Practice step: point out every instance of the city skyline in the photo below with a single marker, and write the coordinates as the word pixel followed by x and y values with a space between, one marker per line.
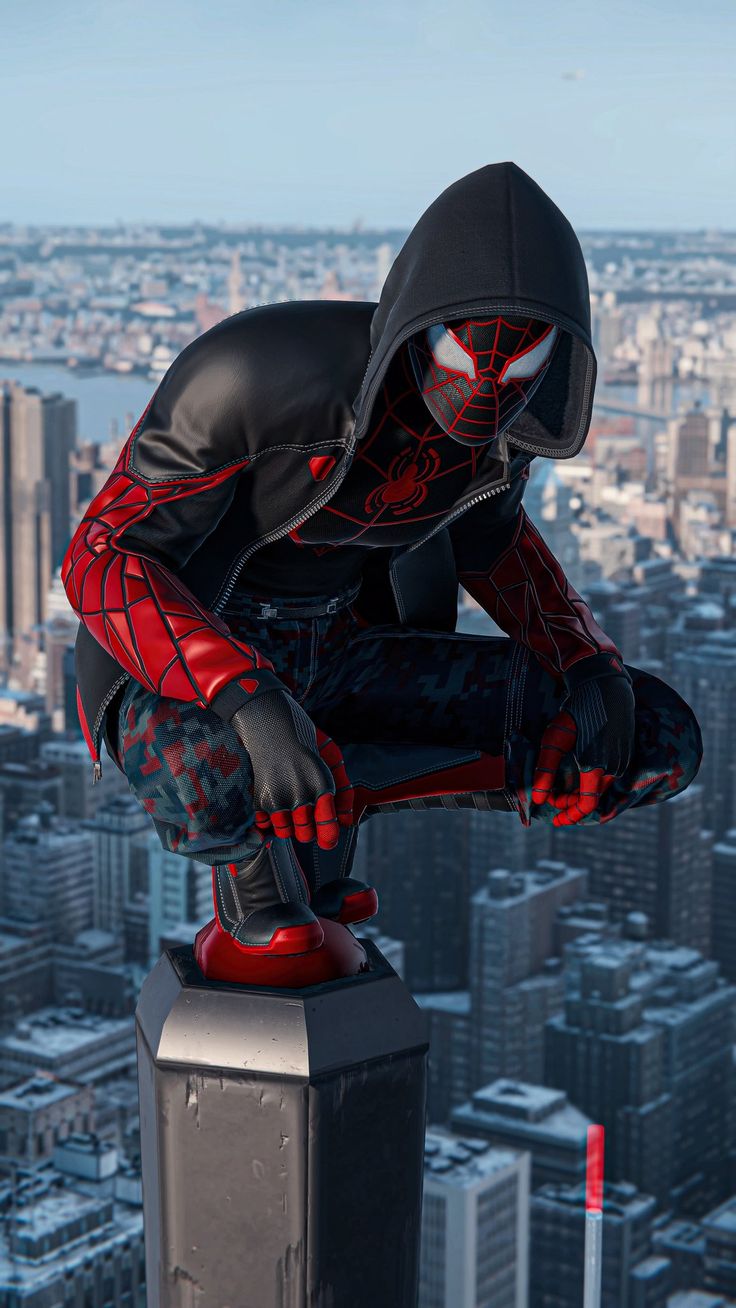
pixel 567 976
pixel 326 114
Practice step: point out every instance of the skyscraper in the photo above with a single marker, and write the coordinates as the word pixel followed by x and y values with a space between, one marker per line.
pixel 723 948
pixel 48 874
pixel 37 436
pixel 706 677
pixel 650 861
pixel 475 1224
pixel 631 1277
pixel 113 828
pixel 611 1064
pixel 420 864
pixel 515 982
pixel 179 889
pixel 644 1047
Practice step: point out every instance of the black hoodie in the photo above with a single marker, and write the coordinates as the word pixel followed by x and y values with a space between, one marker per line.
pixel 494 241
pixel 255 424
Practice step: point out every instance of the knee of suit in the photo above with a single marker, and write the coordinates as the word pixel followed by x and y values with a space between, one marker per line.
pixel 689 748
pixel 682 747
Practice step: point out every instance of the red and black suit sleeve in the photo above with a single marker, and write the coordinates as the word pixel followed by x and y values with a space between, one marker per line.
pixel 507 566
pixel 120 570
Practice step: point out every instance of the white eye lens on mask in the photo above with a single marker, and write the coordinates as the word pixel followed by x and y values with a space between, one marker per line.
pixel 528 365
pixel 447 352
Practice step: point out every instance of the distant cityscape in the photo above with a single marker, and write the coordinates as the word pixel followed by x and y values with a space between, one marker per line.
pixel 569 976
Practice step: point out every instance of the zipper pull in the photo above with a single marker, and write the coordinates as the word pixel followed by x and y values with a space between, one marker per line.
pixel 96 771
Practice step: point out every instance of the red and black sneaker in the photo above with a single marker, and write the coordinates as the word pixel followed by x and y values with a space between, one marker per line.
pixel 346 900
pixel 335 894
pixel 264 931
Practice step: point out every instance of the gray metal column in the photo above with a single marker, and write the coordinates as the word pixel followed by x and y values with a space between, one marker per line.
pixel 282 1137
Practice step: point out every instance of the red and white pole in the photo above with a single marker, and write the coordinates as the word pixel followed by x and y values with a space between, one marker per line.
pixel 593 1218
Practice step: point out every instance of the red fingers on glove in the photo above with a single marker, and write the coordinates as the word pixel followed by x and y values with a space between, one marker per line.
pixel 558 740
pixel 344 795
pixel 321 821
pixel 574 807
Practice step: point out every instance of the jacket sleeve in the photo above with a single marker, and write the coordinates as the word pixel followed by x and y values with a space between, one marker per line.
pixel 119 571
pixel 506 565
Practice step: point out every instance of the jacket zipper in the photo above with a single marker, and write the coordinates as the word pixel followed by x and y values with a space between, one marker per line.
pixel 227 589
pixel 485 495
pixel 97 763
pixel 502 484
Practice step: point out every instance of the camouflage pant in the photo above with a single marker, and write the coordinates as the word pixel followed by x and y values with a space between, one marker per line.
pixel 402 704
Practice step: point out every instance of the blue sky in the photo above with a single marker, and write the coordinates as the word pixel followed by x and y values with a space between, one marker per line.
pixel 324 111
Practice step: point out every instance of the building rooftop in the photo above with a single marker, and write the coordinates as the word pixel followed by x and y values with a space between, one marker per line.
pixel 722 1219
pixel 462 1161
pixel 620 1198
pixel 57 1031
pixel 51 1216
pixel 37 1092
pixel 526 1109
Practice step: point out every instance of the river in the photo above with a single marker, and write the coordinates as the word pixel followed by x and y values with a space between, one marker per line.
pixel 102 398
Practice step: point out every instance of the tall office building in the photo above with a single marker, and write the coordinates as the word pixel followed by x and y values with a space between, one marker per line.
pixel 421 865
pixel 719 1263
pixel 71 760
pixel 610 1063
pixel 113 828
pixel 179 889
pixel 723 947
pixel 644 1047
pixel 706 677
pixel 475 1225
pixel 632 1277
pixel 27 969
pixel 696 462
pixel 515 982
pixel 48 874
pixel 497 835
pixel 37 436
pixel 448 1070
pixel 694 1008
pixel 651 860
pixel 23 786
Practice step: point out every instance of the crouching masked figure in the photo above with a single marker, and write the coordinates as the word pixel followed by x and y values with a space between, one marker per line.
pixel 267 584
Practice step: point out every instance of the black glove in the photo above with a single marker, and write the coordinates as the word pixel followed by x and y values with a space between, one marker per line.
pixel 603 712
pixel 293 787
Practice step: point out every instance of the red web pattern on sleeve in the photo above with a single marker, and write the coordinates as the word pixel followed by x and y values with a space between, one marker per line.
pixel 528 595
pixel 135 606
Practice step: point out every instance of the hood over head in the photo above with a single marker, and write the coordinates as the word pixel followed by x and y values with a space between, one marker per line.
pixel 494 241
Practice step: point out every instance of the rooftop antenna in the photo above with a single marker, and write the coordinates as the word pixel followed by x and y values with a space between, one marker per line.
pixel 593 1218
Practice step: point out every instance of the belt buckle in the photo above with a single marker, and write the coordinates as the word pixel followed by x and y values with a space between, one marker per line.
pixel 267 611
pixel 331 606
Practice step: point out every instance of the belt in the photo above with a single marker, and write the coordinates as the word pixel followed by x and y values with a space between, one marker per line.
pixel 280 606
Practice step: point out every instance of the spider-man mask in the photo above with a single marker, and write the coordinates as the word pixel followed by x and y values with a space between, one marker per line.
pixel 476 375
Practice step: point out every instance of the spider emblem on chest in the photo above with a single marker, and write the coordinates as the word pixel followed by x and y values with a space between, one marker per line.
pixel 406 484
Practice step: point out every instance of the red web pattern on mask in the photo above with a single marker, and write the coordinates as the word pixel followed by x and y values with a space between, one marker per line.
pixel 484 400
pixel 135 607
